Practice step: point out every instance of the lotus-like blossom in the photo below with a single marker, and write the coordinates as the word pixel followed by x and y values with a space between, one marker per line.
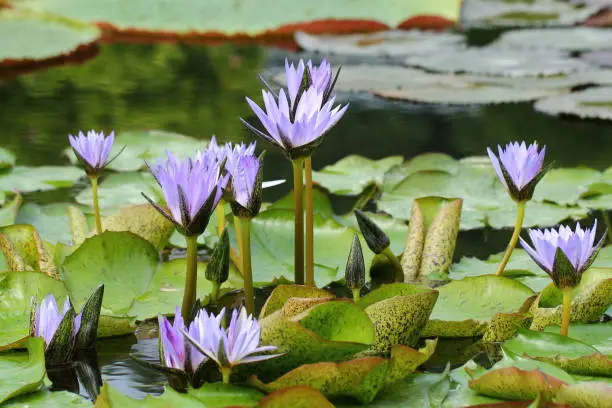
pixel 519 167
pixel 245 186
pixel 192 189
pixel 205 330
pixel 47 318
pixel 172 342
pixel 563 254
pixel 92 150
pixel 231 346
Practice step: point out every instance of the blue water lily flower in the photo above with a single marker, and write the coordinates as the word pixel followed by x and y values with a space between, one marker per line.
pixel 245 187
pixel 93 150
pixel 47 318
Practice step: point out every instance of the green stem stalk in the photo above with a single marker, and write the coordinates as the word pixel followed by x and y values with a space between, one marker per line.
pixel 214 294
pixel 298 165
pixel 520 215
pixel 606 219
pixel 245 255
pixel 398 271
pixel 189 295
pixel 226 372
pixel 309 223
pixel 220 213
pixel 238 228
pixel 567 308
pixel 96 204
pixel 356 294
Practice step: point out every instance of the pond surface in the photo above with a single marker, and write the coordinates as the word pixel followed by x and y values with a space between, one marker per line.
pixel 199 91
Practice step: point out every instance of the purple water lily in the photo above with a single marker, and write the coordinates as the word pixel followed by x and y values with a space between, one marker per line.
pixel 192 189
pixel 231 346
pixel 205 330
pixel 563 254
pixel 92 150
pixel 519 167
pixel 246 179
pixel 172 342
pixel 47 318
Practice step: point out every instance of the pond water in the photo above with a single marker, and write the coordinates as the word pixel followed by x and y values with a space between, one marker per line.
pixel 199 91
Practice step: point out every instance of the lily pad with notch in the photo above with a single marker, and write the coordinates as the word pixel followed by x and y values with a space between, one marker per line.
pixel 591 103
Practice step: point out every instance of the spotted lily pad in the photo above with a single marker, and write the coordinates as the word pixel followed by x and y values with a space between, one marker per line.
pixel 353 174
pixel 465 307
pixel 298 396
pixel 28 179
pixel 496 61
pixel 380 44
pixel 594 103
pixel 361 378
pixel 22 373
pixel 585 395
pixel 41 37
pixel 282 293
pixel 142 220
pixel 25 251
pixel 562 39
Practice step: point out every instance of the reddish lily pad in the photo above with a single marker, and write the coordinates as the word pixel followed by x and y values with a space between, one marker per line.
pixel 297 396
pixel 361 378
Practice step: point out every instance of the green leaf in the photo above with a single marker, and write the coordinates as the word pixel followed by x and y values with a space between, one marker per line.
pixel 39 37
pixel 43 178
pixel 465 307
pixel 353 174
pixel 565 186
pixel 321 203
pixel 395 229
pixel 48 399
pixel 22 373
pixel 585 395
pixel 8 213
pixel 298 396
pixel 220 395
pixel 592 103
pixel 597 335
pixel 461 395
pixel 7 158
pixel 24 250
pixel 110 397
pixel 143 220
pixel 282 293
pixel 50 220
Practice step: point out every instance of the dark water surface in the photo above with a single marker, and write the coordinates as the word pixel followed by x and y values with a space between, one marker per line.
pixel 199 91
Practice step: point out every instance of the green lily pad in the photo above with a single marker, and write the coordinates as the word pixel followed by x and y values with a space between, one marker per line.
pixel 22 373
pixel 496 61
pixel 8 213
pixel 423 162
pixel 592 103
pixel 331 331
pixel 24 250
pixel 395 229
pixel 121 190
pixel 321 203
pixel 602 58
pixel 40 37
pixel 562 39
pixel 399 312
pixel 110 397
pixel 585 395
pixel 298 396
pixel 461 395
pixel 7 158
pixel 148 145
pixel 505 325
pixel 43 178
pixel 361 378
pixel 565 186
pixel 379 44
pixel 598 335
pixel 219 395
pixel 282 293
pixel 246 19
pixel 50 220
pixel 143 220
pixel 465 307
pixel 17 289
pixel 48 399
pixel 571 355
pixel 353 174
pixel 125 262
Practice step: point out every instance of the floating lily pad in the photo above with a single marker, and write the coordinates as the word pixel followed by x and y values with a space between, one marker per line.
pixel 562 39
pixel 110 397
pixel 381 44
pixel 282 293
pixel 22 373
pixel 28 179
pixel 320 200
pixel 593 103
pixel 298 396
pixel 9 210
pixel 571 355
pixel 602 58
pixel 121 190
pixel 598 335
pixel 353 174
pixel 487 13
pixel 24 250
pixel 361 378
pixel 50 220
pixel 566 186
pixel 461 395
pixel 48 399
pixel 40 37
pixel 7 158
pixel 561 82
pixel 248 18
pixel 496 61
pixel 585 395
pixel 465 307
pixel 143 220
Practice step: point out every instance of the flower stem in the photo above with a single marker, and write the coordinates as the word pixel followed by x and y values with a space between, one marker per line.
pixel 606 219
pixel 220 212
pixel 520 215
pixel 238 228
pixel 214 294
pixel 356 294
pixel 226 372
pixel 245 255
pixel 398 271
pixel 96 205
pixel 189 295
pixel 298 165
pixel 309 223
pixel 567 308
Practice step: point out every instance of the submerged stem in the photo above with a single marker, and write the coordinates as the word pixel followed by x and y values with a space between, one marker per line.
pixel 220 212
pixel 309 223
pixel 567 308
pixel 520 215
pixel 247 274
pixel 189 295
pixel 96 205
pixel 298 165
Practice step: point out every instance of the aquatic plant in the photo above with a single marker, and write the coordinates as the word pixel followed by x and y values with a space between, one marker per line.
pixel 92 152
pixel 564 255
pixel 217 270
pixel 519 168
pixel 354 273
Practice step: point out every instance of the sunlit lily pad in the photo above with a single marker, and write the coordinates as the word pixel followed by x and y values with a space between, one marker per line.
pixel 22 373
pixel 361 378
pixel 143 220
pixel 40 37
pixel 496 61
pixel 282 293
pixel 593 103
pixel 563 39
pixel 24 250
pixel 465 307
pixel 353 174
pixel 566 186
pixel 585 395
pixel 9 209
pixel 601 58
pixel 381 44
pixel 598 335
pixel 50 220
pixel 562 82
pixel 28 179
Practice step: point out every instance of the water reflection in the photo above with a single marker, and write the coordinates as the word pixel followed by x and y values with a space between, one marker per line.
pixel 81 377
